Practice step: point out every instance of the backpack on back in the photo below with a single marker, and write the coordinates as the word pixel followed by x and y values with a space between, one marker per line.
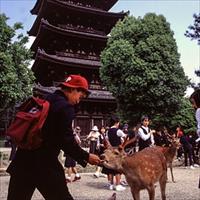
pixel 25 130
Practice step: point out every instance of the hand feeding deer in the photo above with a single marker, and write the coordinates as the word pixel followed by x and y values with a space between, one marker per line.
pixel 142 169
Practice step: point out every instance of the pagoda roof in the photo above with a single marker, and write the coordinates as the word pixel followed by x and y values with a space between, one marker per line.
pixel 45 62
pixel 103 4
pixel 49 8
pixel 95 95
pixel 47 29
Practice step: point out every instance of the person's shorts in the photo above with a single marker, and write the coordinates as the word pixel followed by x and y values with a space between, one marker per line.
pixel 69 162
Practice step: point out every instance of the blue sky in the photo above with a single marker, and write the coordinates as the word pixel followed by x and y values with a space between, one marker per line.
pixel 179 13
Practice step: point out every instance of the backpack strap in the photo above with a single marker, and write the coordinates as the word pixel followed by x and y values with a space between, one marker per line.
pixel 45 108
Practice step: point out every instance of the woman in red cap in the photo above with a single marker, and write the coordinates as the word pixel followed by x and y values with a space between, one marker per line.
pixel 40 168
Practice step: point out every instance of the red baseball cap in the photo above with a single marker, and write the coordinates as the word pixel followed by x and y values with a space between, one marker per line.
pixel 76 81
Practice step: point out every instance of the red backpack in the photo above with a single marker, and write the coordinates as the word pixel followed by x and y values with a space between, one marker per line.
pixel 25 130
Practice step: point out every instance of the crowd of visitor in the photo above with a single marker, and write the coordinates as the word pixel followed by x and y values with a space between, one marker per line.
pixel 137 138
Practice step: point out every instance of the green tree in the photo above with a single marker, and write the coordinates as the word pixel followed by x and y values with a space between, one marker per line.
pixel 185 117
pixel 141 67
pixel 16 78
pixel 193 31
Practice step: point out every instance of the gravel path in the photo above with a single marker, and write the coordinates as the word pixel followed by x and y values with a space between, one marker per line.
pixel 90 188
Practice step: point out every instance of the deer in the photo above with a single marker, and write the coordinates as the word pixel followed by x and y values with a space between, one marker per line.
pixel 141 169
pixel 169 153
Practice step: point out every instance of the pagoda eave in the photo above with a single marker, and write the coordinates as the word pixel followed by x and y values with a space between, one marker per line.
pixel 86 10
pixel 44 11
pixel 67 61
pixel 109 4
pixel 101 95
pixel 45 63
pixel 97 96
pixel 36 8
pixel 47 29
pixel 104 4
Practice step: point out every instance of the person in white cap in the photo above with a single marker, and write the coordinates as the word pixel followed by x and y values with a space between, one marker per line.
pixel 40 168
pixel 93 138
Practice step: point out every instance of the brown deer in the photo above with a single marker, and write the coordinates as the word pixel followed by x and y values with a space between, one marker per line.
pixel 170 153
pixel 142 169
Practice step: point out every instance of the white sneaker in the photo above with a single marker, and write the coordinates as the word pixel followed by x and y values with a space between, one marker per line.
pixel 96 174
pixel 111 187
pixel 191 167
pixel 196 165
pixel 77 177
pixel 197 140
pixel 119 188
pixel 103 175
pixel 124 183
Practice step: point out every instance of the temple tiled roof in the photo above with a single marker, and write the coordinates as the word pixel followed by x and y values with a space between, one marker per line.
pixel 45 64
pixel 95 95
pixel 67 61
pixel 46 29
pixel 102 4
pixel 63 7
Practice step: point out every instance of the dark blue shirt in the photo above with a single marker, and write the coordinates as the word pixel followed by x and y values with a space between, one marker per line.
pixel 57 134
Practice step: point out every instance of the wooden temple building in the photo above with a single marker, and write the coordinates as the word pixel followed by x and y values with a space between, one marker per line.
pixel 70 35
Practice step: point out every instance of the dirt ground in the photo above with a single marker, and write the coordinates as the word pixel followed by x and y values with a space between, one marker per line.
pixel 91 188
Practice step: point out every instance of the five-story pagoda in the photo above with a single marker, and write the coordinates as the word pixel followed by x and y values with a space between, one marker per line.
pixel 70 35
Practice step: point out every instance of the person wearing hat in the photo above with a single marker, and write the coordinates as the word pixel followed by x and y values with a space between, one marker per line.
pixel 93 138
pixel 40 168
pixel 146 138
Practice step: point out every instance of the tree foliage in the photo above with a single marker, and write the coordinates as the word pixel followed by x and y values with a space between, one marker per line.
pixel 15 78
pixel 141 67
pixel 193 31
pixel 185 117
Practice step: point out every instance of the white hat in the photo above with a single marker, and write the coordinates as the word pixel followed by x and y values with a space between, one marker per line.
pixel 95 128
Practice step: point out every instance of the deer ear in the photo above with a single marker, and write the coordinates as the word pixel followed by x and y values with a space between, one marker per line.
pixel 109 147
pixel 120 148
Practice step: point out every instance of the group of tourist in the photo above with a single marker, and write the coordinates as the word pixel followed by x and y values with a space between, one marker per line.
pixel 40 168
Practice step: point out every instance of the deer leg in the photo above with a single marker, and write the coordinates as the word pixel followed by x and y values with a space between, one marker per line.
pixel 167 175
pixel 170 166
pixel 163 181
pixel 151 191
pixel 135 193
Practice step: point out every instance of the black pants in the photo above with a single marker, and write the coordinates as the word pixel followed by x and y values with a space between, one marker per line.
pixel 50 182
pixel 188 154
pixel 93 146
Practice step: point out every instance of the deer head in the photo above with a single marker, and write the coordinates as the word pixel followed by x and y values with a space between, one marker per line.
pixel 113 158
